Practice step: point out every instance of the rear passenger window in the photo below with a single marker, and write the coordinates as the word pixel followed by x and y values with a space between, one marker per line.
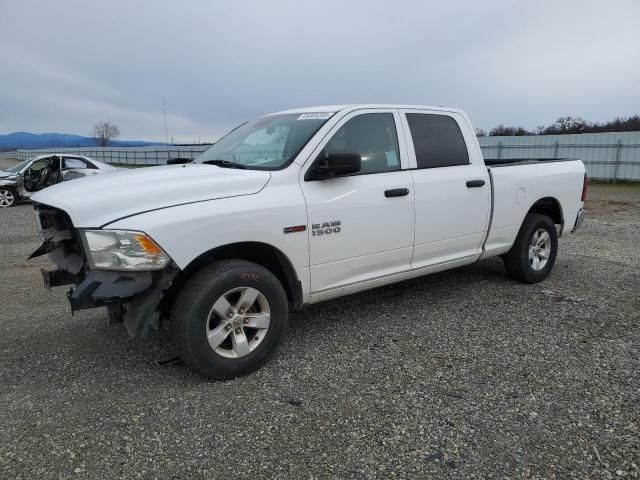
pixel 437 140
pixel 374 137
pixel 70 162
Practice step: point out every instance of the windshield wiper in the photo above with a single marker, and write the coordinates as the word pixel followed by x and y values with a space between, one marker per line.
pixel 225 164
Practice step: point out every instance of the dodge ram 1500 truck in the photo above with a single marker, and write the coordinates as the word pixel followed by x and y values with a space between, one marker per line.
pixel 295 208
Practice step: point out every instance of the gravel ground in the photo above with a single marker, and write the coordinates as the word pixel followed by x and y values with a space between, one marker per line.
pixel 463 374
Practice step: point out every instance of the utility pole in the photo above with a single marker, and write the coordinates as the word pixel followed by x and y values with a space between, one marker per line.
pixel 166 132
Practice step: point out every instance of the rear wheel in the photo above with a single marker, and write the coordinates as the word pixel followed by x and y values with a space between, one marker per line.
pixel 7 198
pixel 229 318
pixel 533 254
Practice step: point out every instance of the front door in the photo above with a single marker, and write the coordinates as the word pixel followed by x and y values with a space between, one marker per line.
pixel 33 174
pixel 360 225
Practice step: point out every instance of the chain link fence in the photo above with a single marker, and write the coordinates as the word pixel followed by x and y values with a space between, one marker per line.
pixel 607 156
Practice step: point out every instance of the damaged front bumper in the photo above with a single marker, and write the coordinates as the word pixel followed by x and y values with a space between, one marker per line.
pixel 137 293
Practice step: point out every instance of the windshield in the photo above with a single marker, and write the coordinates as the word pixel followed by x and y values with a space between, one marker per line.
pixel 268 143
pixel 18 167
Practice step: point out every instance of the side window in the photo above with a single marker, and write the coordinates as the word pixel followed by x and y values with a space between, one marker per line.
pixel 39 164
pixel 69 162
pixel 374 137
pixel 437 140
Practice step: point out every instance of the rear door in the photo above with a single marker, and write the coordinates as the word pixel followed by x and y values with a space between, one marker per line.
pixel 451 183
pixel 361 225
pixel 74 167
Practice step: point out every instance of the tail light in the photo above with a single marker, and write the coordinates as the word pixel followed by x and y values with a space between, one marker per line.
pixel 584 188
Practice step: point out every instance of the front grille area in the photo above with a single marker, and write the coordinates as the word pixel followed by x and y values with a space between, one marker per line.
pixel 138 294
pixel 61 241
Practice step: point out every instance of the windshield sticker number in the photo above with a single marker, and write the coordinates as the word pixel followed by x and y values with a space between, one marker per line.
pixel 315 116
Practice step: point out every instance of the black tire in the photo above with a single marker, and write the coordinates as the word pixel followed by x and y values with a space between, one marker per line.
pixel 194 303
pixel 517 261
pixel 8 197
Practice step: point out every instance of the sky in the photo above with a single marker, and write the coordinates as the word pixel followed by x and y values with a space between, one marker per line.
pixel 67 64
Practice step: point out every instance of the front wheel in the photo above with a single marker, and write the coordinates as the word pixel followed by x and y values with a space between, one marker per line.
pixel 7 198
pixel 229 318
pixel 533 254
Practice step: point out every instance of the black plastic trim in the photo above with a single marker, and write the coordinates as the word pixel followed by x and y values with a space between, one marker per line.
pixel 509 162
pixel 396 192
pixel 57 278
pixel 100 287
pixel 491 210
pixel 475 183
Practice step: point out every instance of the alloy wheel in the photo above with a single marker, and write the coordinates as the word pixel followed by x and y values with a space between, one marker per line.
pixel 7 198
pixel 539 249
pixel 238 322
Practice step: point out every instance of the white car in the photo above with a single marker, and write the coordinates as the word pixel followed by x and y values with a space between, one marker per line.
pixel 24 179
pixel 295 208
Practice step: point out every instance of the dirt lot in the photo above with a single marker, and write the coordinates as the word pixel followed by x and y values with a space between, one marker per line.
pixel 463 374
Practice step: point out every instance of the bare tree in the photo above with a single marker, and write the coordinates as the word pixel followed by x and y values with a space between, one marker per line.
pixel 103 132
pixel 501 130
pixel 565 125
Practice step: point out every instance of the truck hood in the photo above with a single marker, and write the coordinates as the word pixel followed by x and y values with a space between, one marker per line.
pixel 97 200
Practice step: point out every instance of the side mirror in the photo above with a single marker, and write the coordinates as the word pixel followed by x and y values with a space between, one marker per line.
pixel 335 164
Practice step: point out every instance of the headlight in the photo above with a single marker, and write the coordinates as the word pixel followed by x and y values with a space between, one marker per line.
pixel 123 250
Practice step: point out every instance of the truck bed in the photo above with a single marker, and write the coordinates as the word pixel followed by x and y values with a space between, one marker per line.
pixel 514 190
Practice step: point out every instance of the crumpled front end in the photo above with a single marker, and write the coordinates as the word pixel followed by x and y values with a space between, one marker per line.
pixel 136 294
pixel 10 180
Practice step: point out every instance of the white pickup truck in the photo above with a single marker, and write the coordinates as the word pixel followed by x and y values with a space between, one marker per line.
pixel 295 208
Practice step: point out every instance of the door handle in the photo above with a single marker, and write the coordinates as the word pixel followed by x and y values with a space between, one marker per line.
pixel 396 192
pixel 475 183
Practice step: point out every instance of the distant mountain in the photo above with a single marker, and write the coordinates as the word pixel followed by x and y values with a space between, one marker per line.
pixel 60 140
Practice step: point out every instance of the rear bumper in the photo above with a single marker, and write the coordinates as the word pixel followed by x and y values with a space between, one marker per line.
pixel 579 220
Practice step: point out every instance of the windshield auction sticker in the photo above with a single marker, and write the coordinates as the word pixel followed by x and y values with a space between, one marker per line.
pixel 315 116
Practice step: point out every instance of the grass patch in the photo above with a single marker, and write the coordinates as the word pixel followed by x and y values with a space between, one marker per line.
pixel 622 183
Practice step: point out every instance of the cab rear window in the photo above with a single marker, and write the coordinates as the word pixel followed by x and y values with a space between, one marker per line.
pixel 437 140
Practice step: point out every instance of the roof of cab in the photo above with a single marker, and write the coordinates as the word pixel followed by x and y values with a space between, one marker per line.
pixel 320 108
pixel 356 106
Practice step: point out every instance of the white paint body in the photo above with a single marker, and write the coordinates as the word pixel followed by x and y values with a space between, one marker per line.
pixel 191 209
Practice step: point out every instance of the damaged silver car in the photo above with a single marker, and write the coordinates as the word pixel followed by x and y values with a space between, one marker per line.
pixel 22 180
